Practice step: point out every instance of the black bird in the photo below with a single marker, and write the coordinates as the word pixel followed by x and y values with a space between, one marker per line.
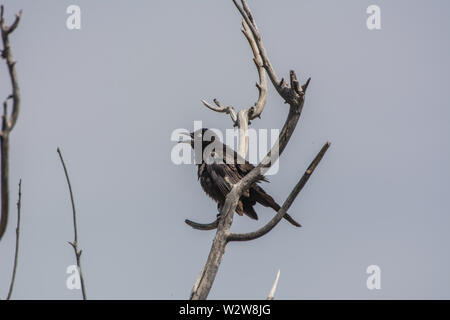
pixel 219 172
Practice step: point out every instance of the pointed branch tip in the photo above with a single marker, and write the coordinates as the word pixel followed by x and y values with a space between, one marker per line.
pixel 305 86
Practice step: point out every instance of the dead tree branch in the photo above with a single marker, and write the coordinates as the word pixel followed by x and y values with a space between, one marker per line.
pixel 8 122
pixel 203 226
pixel 256 110
pixel 244 116
pixel 286 205
pixel 222 109
pixel 16 254
pixel 274 287
pixel 293 94
pixel 74 244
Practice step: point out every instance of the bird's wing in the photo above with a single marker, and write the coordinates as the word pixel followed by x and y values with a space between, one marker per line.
pixel 223 177
pixel 237 164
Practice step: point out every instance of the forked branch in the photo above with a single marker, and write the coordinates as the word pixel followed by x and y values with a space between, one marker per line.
pixel 11 64
pixel 281 86
pixel 222 109
pixel 293 94
pixel 246 115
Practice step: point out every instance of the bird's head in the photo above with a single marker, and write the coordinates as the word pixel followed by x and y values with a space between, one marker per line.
pixel 205 138
pixel 202 137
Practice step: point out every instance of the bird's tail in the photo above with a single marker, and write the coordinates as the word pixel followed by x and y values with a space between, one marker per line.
pixel 266 200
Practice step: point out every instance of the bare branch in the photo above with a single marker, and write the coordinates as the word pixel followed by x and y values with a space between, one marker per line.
pixel 294 83
pixel 6 54
pixel 257 109
pixel 16 254
pixel 243 133
pixel 202 226
pixel 294 96
pixel 227 211
pixel 4 142
pixel 7 124
pixel 274 287
pixel 290 94
pixel 305 86
pixel 13 26
pixel 71 195
pixel 74 244
pixel 196 284
pixel 286 205
pixel 204 283
pixel 248 18
pixel 222 109
pixel 275 152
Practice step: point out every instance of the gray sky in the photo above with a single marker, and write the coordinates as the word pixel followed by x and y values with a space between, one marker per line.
pixel 111 94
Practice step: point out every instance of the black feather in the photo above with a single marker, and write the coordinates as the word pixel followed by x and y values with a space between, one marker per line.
pixel 218 178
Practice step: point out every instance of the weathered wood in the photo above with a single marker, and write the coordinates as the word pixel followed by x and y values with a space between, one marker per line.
pixel 293 95
pixel 203 226
pixel 7 123
pixel 286 205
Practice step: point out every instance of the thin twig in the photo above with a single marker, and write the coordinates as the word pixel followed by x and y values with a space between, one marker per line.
pixel 16 254
pixel 74 244
pixel 274 287
pixel 222 109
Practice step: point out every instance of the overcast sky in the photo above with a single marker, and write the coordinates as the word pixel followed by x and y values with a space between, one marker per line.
pixel 110 95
